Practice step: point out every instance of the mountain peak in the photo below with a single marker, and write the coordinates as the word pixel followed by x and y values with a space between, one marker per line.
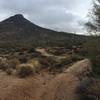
pixel 16 19
pixel 18 16
pixel 17 31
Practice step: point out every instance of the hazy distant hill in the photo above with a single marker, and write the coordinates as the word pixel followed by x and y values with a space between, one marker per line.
pixel 18 31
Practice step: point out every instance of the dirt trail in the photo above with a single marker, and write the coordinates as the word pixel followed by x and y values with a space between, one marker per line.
pixel 45 53
pixel 61 88
pixel 81 69
pixel 40 87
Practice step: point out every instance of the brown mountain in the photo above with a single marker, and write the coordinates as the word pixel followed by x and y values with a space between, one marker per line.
pixel 18 31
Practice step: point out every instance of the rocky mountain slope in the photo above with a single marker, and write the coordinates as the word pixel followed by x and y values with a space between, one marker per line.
pixel 18 31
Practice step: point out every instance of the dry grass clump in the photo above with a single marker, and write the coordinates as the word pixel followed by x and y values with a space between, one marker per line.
pixel 66 60
pixel 36 64
pixel 25 70
pixel 3 63
pixel 28 69
pixel 24 66
pixel 13 63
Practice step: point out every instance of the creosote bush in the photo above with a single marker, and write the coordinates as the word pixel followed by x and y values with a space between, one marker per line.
pixel 25 70
pixel 9 64
pixel 3 66
pixel 75 57
pixel 12 63
pixel 23 60
pixel 9 71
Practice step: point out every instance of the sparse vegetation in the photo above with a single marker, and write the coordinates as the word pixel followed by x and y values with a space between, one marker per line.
pixel 36 64
pixel 13 63
pixel 93 48
pixel 76 57
pixel 28 50
pixel 9 71
pixel 23 59
pixel 25 70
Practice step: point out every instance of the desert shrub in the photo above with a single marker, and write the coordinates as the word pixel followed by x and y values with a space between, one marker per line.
pixel 35 63
pixel 31 50
pixel 96 65
pixel 46 61
pixel 4 66
pixel 58 64
pixel 64 61
pixel 68 59
pixel 92 46
pixel 88 89
pixel 35 54
pixel 9 71
pixel 82 90
pixel 12 63
pixel 25 70
pixel 23 59
pixel 75 57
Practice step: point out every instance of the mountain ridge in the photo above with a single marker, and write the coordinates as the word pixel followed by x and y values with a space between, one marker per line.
pixel 17 30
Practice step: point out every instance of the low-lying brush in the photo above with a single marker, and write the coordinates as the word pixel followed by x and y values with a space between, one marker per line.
pixel 25 70
pixel 36 64
pixel 13 63
pixel 75 57
pixel 9 71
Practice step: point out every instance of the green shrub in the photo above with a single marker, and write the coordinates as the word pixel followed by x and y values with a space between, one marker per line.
pixel 93 47
pixel 75 57
pixel 96 65
pixel 64 61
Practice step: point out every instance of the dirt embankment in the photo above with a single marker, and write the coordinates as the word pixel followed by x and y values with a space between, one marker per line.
pixel 43 86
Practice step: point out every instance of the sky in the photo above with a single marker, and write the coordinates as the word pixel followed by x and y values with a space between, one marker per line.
pixel 60 15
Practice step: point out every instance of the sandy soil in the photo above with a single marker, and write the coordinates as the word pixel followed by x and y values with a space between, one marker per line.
pixel 40 87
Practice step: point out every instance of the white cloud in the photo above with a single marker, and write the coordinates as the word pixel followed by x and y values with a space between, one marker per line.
pixel 61 15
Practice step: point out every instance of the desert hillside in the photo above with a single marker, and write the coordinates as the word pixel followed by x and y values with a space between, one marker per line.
pixel 17 32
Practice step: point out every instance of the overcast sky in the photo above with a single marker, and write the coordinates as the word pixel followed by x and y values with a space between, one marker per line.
pixel 60 15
